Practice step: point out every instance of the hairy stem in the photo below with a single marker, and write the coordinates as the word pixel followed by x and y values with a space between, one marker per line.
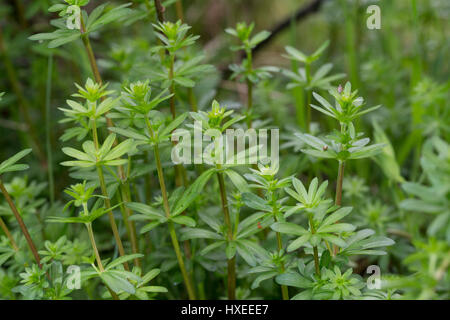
pixel 21 224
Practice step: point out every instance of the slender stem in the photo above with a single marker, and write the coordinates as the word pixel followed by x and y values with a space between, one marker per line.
pixel 22 101
pixel 192 100
pixel 173 235
pixel 94 246
pixel 249 87
pixel 107 202
pixel 130 226
pixel 340 180
pixel 338 200
pixel 112 221
pixel 97 254
pixel 315 251
pixel 179 9
pixel 51 180
pixel 21 224
pixel 172 86
pixel 231 262
pixel 284 289
pixel 8 234
pixel 159 10
pixel 308 96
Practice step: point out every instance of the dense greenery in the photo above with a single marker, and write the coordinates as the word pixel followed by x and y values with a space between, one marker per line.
pixel 91 106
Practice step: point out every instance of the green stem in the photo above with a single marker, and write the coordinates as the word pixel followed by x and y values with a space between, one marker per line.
pixel 21 224
pixel 8 234
pixel 130 225
pixel 231 262
pixel 338 200
pixel 339 183
pixel 22 101
pixel 172 232
pixel 284 289
pixel 101 178
pixel 97 255
pixel 308 96
pixel 315 251
pixel 249 88
pixel 192 100
pixel 51 180
pixel 94 247
pixel 179 9
pixel 172 86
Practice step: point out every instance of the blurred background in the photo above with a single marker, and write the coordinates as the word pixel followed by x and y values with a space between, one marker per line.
pixel 404 65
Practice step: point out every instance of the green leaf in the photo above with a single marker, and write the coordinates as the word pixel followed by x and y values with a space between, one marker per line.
pixel 336 228
pixel 264 276
pixel 192 192
pixel 336 216
pixel 9 162
pixel 148 211
pixel 253 201
pixel 230 250
pixel 293 280
pixel 297 243
pixel 259 37
pixel 119 150
pixel 117 283
pixel 184 220
pixel 238 181
pixel 288 228
pixel 63 40
pixel 296 54
pixel 123 259
pixel 191 233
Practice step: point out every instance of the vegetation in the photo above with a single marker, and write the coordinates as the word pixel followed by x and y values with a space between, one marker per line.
pixel 98 97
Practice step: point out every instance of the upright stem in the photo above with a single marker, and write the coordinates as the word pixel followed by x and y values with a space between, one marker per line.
pixel 109 122
pixel 21 224
pixel 338 200
pixel 172 232
pixel 94 247
pixel 179 8
pixel 249 87
pixel 8 234
pixel 315 251
pixel 131 227
pixel 172 86
pixel 192 100
pixel 51 180
pixel 340 180
pixel 284 289
pixel 22 101
pixel 101 178
pixel 226 213
pixel 308 97
pixel 159 10
pixel 97 256
pixel 112 221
